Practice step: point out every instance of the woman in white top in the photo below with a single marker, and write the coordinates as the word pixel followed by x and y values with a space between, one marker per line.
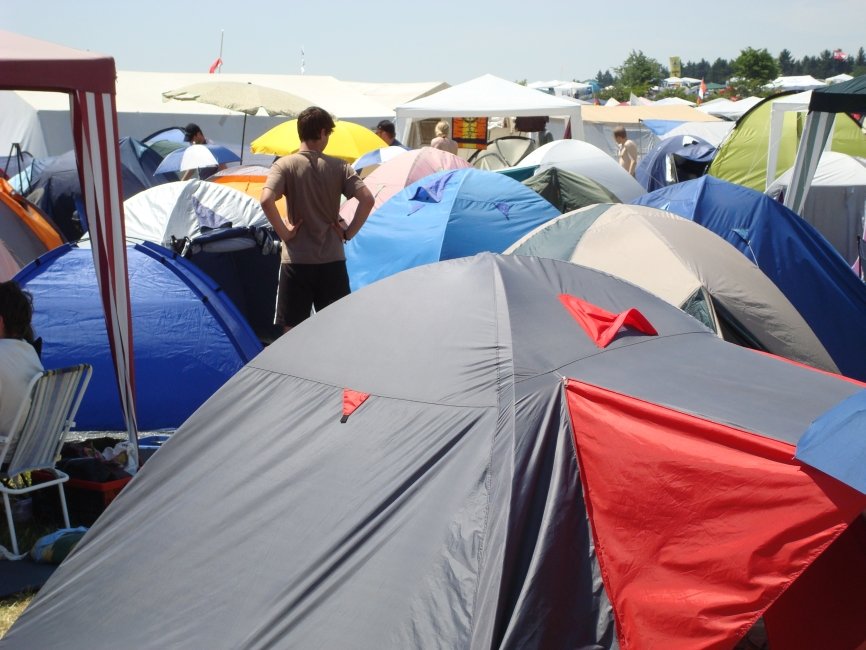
pixel 19 362
pixel 442 141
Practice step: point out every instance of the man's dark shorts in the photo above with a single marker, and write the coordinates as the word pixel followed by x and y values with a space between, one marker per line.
pixel 304 286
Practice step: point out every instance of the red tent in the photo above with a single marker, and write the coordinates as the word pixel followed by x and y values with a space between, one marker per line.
pixel 30 64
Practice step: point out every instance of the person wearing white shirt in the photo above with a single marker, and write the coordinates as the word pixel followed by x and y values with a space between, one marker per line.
pixel 19 362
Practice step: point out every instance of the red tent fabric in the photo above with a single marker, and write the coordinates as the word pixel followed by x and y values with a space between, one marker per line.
pixel 89 79
pixel 681 582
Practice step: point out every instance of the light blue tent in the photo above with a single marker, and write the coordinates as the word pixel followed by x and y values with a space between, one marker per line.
pixel 796 257
pixel 454 213
pixel 189 338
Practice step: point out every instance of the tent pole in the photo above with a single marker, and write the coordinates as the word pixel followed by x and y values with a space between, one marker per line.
pixel 243 135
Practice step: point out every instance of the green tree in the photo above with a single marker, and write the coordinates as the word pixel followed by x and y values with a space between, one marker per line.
pixel 604 79
pixel 786 63
pixel 753 69
pixel 637 73
pixel 700 70
pixel 859 67
pixel 826 67
pixel 720 71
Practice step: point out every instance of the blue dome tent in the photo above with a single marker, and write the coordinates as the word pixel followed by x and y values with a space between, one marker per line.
pixel 189 338
pixel 454 213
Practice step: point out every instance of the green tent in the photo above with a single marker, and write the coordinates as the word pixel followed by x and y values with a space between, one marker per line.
pixel 569 190
pixel 742 157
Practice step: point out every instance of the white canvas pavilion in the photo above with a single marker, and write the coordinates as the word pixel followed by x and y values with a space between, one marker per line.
pixel 488 96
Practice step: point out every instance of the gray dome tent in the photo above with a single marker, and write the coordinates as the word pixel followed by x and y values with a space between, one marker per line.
pixel 439 477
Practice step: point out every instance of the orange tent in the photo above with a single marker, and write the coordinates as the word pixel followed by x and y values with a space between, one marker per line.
pixel 249 179
pixel 25 230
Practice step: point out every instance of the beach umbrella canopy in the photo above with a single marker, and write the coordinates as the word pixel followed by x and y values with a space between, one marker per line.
pixel 349 140
pixel 248 98
pixel 196 156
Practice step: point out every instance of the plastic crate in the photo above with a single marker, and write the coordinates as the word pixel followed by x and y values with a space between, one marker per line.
pixel 85 500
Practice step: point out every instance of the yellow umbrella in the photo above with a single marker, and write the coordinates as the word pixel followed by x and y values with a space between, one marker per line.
pixel 349 141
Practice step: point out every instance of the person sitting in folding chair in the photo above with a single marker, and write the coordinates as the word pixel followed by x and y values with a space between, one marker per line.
pixel 19 361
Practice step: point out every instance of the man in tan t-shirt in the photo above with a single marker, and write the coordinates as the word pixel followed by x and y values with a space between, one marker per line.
pixel 313 265
pixel 626 150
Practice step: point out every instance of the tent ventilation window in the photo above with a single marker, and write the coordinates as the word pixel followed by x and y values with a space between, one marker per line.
pixel 698 307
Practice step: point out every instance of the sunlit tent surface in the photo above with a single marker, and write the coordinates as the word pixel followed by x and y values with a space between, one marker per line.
pixel 584 158
pixel 393 175
pixel 189 338
pixel 249 179
pixel 795 256
pixel 743 158
pixel 445 480
pixel 221 230
pixel 446 215
pixel 685 265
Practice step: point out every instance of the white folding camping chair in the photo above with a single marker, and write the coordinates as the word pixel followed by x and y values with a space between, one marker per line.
pixel 37 434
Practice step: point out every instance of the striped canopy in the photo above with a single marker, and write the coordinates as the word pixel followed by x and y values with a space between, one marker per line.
pixel 30 64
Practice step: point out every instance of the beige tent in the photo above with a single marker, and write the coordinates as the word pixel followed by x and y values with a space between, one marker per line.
pixel 599 122
pixel 686 265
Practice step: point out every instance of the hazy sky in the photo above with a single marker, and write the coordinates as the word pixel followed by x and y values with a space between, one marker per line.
pixel 444 41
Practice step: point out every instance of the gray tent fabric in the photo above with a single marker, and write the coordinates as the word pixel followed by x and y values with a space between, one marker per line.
pixel 446 511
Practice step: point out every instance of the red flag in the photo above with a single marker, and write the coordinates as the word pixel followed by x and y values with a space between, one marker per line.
pixel 839 55
pixel 216 64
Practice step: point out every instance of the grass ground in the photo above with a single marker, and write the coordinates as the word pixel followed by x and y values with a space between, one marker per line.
pixel 12 606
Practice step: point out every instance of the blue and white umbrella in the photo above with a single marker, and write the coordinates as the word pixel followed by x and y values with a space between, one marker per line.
pixel 377 157
pixel 196 156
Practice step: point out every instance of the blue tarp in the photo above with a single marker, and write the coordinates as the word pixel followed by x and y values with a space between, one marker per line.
pixel 652 169
pixel 795 256
pixel 660 127
pixel 834 443
pixel 189 338
pixel 455 213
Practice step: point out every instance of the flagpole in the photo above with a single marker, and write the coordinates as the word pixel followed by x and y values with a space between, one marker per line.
pixel 220 58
